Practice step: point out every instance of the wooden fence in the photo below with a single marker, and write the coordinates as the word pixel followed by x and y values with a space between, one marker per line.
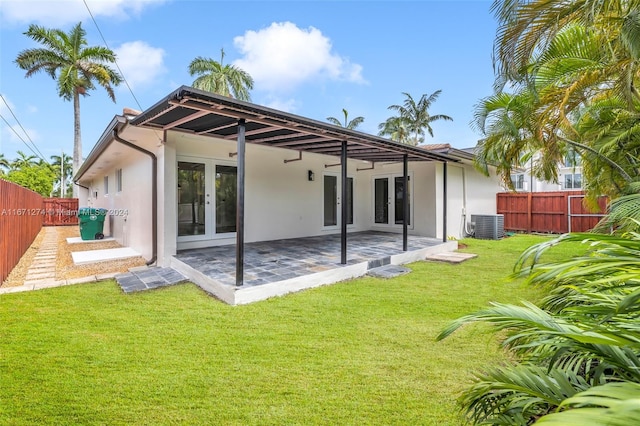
pixel 553 212
pixel 60 211
pixel 20 221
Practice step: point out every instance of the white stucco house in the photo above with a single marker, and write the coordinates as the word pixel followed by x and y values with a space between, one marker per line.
pixel 569 177
pixel 200 170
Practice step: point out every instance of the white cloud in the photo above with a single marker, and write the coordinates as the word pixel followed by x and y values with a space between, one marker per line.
pixel 61 12
pixel 286 105
pixel 140 63
pixel 283 56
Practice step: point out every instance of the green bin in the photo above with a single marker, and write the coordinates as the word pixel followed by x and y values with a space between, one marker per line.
pixel 91 223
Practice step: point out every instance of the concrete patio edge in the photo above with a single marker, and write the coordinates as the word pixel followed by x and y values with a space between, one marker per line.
pixel 249 294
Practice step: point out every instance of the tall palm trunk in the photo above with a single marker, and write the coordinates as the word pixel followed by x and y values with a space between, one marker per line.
pixel 77 139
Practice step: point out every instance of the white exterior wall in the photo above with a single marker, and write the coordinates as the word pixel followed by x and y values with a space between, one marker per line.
pixel 280 201
pixel 129 211
pixel 468 192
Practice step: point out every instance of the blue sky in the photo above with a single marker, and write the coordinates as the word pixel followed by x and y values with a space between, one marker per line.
pixel 311 58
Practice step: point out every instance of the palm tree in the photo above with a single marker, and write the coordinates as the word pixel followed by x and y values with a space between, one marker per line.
pixel 76 68
pixel 507 124
pixel 22 161
pixel 62 166
pixel 395 128
pixel 4 164
pixel 524 27
pixel 576 99
pixel 416 115
pixel 351 125
pixel 226 80
pixel 580 342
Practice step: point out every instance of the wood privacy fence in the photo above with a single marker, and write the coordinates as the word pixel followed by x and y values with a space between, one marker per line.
pixel 60 211
pixel 20 221
pixel 555 212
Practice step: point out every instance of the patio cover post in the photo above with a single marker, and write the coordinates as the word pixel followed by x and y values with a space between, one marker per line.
pixel 444 202
pixel 343 197
pixel 405 201
pixel 240 205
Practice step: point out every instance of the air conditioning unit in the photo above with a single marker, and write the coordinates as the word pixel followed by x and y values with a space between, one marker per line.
pixel 488 226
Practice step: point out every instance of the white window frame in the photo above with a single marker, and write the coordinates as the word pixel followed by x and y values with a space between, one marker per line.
pixel 106 185
pixel 573 181
pixel 515 179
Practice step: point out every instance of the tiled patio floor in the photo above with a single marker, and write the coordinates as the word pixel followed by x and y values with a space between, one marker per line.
pixel 273 261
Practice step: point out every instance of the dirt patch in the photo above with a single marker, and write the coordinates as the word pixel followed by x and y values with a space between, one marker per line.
pixel 65 269
pixel 19 272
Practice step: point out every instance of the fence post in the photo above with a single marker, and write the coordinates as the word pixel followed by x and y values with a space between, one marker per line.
pixel 529 205
pixel 566 210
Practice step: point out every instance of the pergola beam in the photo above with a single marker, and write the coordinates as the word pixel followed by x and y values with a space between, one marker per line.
pixel 183 120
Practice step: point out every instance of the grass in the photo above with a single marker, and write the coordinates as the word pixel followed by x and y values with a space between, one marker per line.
pixel 360 352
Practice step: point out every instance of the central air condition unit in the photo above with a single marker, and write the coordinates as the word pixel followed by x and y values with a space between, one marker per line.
pixel 488 226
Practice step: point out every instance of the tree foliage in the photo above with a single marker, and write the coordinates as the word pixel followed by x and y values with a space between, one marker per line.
pixel 572 72
pixel 347 124
pixel 577 353
pixel 216 77
pixel 36 177
pixel 76 67
pixel 413 120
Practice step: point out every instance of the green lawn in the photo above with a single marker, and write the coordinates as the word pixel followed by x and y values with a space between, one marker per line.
pixel 360 352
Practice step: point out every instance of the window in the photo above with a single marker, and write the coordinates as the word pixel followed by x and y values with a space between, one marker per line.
pixel 518 181
pixel 106 185
pixel 118 180
pixel 573 181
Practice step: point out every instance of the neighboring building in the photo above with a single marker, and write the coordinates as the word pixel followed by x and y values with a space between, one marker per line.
pixel 569 177
pixel 170 177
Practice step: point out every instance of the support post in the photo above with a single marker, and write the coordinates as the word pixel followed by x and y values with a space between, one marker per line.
pixel 343 198
pixel 444 202
pixel 240 205
pixel 405 202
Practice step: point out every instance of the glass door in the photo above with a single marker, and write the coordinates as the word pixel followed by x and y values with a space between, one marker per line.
pixel 332 191
pixel 207 199
pixel 191 199
pixel 388 200
pixel 330 200
pixel 226 185
pixel 381 200
pixel 398 210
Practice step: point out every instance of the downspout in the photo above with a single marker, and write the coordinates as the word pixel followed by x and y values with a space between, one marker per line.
pixel 466 232
pixel 154 193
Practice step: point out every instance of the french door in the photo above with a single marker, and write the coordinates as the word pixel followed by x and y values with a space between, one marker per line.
pixel 206 199
pixel 332 194
pixel 388 200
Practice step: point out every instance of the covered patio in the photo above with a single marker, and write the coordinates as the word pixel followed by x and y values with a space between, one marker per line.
pixel 273 268
pixel 203 114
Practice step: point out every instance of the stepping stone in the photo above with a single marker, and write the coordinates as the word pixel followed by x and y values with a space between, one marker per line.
pixel 389 271
pixel 451 257
pixel 94 256
pixel 40 276
pixel 40 265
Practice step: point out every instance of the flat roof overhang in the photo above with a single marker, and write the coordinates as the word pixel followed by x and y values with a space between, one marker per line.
pixel 203 113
